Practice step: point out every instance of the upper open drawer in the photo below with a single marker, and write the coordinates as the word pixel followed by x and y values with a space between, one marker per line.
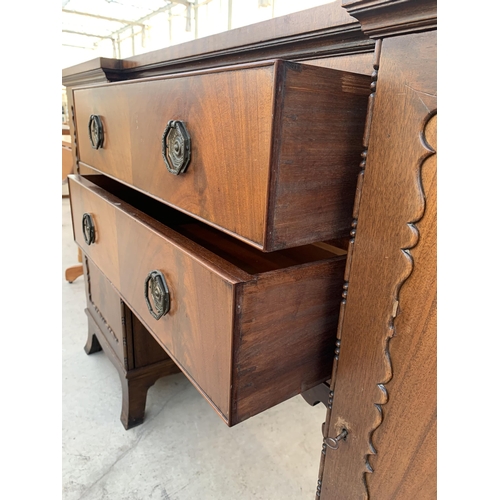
pixel 268 152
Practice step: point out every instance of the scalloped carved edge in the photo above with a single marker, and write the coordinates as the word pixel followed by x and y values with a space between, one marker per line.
pixel 428 151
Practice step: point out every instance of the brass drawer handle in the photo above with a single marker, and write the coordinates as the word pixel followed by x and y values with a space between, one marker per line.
pixel 96 131
pixel 156 287
pixel 176 147
pixel 88 229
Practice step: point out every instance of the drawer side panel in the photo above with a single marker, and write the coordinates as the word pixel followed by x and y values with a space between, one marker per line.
pixel 318 155
pixel 286 339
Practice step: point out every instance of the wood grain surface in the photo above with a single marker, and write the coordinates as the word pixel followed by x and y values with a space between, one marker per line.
pixel 225 325
pixel 145 349
pixel 228 116
pixel 135 382
pixel 387 249
pixel 138 358
pixel 384 18
pixel 359 63
pixel 104 303
pixel 318 140
pixel 196 334
pixel 407 453
pixel 275 146
pixel 285 338
pixel 320 32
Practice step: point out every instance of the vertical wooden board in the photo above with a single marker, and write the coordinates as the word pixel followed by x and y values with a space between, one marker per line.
pixel 391 203
pixel 286 335
pixel 67 159
pixel 407 453
pixel 196 332
pixel 317 157
pixel 146 350
pixel 105 302
pixel 72 129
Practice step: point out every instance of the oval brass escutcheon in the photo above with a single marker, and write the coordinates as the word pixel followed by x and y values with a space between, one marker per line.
pixel 176 147
pixel 88 229
pixel 156 287
pixel 96 131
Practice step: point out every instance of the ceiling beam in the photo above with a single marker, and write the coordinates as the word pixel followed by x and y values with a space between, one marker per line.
pixel 145 18
pixel 115 36
pixel 86 34
pixel 78 46
pixel 96 16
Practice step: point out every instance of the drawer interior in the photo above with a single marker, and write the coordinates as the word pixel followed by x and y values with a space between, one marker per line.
pixel 244 256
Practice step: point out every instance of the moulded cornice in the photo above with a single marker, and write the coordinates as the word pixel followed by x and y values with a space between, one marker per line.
pixel 98 70
pixel 382 18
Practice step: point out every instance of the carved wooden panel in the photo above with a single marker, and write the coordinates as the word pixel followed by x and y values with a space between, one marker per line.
pixel 406 440
pixel 387 248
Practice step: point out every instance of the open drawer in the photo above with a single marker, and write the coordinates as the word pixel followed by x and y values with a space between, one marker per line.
pixel 249 329
pixel 268 152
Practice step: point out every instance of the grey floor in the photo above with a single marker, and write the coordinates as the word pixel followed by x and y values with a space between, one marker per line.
pixel 183 450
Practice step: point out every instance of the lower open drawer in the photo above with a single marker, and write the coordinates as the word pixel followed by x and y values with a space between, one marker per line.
pixel 249 329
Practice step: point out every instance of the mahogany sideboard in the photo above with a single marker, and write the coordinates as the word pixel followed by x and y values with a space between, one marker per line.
pixel 258 209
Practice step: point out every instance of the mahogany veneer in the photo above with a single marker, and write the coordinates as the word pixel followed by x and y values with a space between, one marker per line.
pixel 275 146
pixel 249 329
pixel 382 395
pixel 139 359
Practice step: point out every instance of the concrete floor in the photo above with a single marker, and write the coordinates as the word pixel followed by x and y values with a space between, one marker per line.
pixel 183 450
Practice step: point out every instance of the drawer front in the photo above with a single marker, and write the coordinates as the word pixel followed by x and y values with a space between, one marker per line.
pixel 227 179
pixel 196 332
pixel 250 329
pixel 274 151
pixel 105 305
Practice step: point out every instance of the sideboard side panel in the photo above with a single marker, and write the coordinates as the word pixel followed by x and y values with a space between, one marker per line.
pixel 406 440
pixel 372 368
